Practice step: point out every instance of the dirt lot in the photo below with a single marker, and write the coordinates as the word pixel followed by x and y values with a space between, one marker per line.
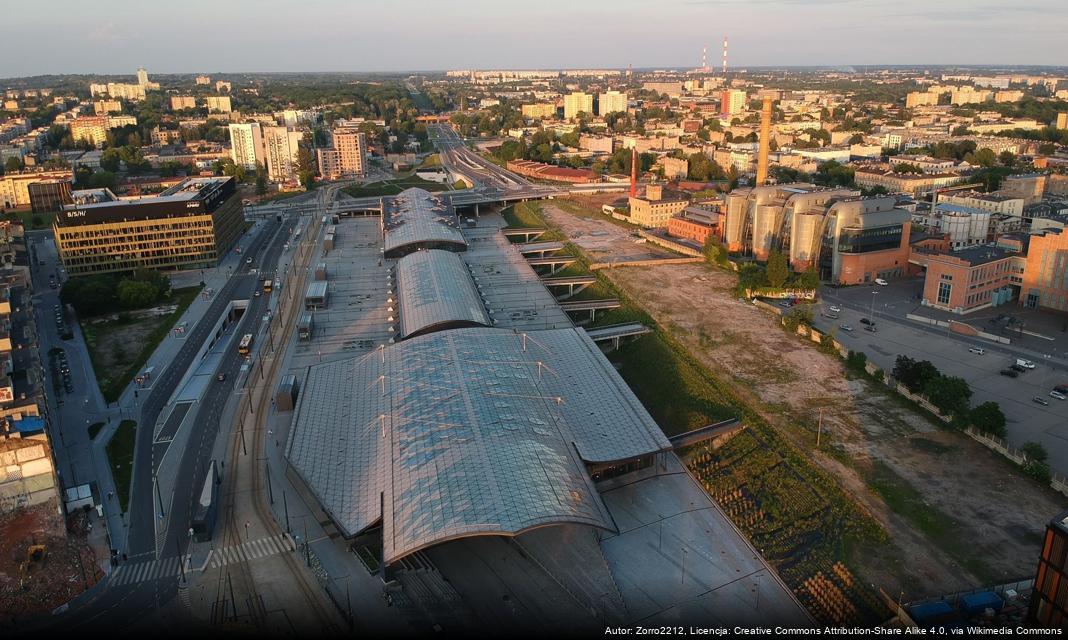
pixel 55 580
pixel 958 516
pixel 600 239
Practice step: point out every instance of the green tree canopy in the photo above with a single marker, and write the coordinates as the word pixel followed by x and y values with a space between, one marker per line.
pixel 988 418
pixel 950 394
pixel 778 269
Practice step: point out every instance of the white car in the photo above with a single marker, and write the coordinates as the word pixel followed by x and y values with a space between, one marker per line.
pixel 881 282
pixel 834 309
pixel 977 350
pixel 1058 395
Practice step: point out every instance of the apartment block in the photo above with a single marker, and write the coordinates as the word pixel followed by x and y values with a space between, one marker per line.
pixel 576 103
pixel 92 129
pixel 104 107
pixel 183 102
pixel 538 111
pixel 281 145
pixel 246 145
pixel 345 157
pixel 15 186
pixel 732 101
pixel 611 102
pixel 218 104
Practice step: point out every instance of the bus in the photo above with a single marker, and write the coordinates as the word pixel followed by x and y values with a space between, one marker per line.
pixel 245 346
pixel 267 284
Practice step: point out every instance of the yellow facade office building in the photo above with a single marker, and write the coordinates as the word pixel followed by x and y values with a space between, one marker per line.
pixel 188 226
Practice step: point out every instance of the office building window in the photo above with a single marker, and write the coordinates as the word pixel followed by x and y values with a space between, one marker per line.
pixel 944 289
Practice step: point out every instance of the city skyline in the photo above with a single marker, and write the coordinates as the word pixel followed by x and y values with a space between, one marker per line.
pixel 855 32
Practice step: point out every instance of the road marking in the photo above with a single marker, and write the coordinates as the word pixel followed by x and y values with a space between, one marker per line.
pixel 251 550
pixel 147 570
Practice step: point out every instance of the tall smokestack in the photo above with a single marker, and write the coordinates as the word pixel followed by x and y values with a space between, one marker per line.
pixel 634 172
pixel 765 142
pixel 724 56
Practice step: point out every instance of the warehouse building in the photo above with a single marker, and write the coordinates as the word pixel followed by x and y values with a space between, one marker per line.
pixel 188 226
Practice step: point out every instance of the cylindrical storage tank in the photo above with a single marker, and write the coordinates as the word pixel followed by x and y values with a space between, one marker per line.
pixel 803 239
pixel 763 230
pixel 734 221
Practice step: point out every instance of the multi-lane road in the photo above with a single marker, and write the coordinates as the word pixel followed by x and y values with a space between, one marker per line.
pixel 114 606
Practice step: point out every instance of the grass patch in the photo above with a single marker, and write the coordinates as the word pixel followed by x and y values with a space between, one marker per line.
pixel 120 455
pixel 581 211
pixel 114 361
pixel 95 429
pixel 941 529
pixel 679 395
pixel 392 187
pixel 432 160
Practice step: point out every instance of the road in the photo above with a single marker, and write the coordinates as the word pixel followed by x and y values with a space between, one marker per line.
pixel 1026 420
pixel 113 606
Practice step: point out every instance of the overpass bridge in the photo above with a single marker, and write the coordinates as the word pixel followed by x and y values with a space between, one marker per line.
pixel 615 333
pixel 539 249
pixel 571 282
pixel 593 306
pixel 555 263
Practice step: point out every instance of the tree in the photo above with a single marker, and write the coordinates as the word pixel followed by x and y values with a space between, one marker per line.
pixel 778 269
pixel 834 174
pixel 135 293
pixel 110 159
pixel 988 418
pixel 261 179
pixel 1034 451
pixel 914 374
pixel 1007 158
pixel 305 167
pixel 983 157
pixel 950 394
pixel 809 279
pixel 907 167
pixel 13 165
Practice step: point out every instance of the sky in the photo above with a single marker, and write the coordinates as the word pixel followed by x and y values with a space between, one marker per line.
pixel 183 36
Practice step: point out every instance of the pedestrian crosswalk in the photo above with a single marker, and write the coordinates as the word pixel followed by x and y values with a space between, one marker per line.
pixel 251 550
pixel 146 571
pixel 170 567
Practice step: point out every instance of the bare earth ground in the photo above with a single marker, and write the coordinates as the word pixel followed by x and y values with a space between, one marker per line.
pixel 602 240
pixel 997 515
pixel 55 581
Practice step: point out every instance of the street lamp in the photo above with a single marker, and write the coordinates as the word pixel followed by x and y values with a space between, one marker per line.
pixel 871 312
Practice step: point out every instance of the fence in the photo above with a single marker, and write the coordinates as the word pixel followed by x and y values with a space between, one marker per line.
pixel 1057 482
pixel 643 263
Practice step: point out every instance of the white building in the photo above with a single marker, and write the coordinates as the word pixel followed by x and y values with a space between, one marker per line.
pixel 246 145
pixel 611 102
pixel 281 145
pixel 966 226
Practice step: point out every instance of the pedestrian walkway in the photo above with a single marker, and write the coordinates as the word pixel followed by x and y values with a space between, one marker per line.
pixel 252 550
pixel 147 571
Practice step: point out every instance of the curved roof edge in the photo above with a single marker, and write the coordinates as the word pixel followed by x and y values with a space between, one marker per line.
pixel 435 291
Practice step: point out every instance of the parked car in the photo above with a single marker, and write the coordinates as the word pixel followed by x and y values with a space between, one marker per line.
pixel 830 314
pixel 1058 395
pixel 1026 364
pixel 256 293
pixel 221 377
pixel 1010 373
pixel 1017 368
pixel 845 327
pixel 866 321
pixel 1061 388
pixel 870 327
pixel 881 282
pixel 834 309
pixel 1040 400
pixel 248 260
pixel 977 350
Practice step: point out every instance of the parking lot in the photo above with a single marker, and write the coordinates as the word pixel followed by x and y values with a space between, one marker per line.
pixel 1027 419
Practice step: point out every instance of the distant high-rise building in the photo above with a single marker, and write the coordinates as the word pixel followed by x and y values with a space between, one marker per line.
pixel 92 129
pixel 345 157
pixel 1062 120
pixel 610 102
pixel 538 110
pixel 104 107
pixel 183 102
pixel 732 101
pixel 203 80
pixel 281 145
pixel 1049 605
pixel 576 103
pixel 142 77
pixel 219 104
pixel 246 145
pixel 222 85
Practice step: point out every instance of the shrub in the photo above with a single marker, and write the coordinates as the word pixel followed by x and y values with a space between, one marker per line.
pixel 1034 451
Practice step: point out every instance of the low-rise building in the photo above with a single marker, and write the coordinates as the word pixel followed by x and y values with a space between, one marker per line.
pixel 551 172
pixel 1045 274
pixel 971 279
pixel 15 186
pixel 914 184
pixel 655 209
pixel 694 223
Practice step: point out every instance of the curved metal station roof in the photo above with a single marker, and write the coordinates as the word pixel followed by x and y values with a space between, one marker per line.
pixel 474 431
pixel 435 292
pixel 416 219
